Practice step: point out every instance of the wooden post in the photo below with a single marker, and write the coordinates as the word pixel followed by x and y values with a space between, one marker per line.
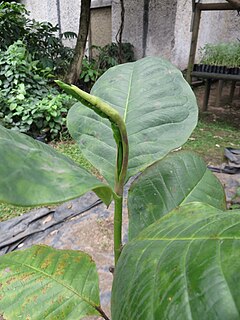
pixel 215 6
pixel 219 92
pixel 232 90
pixel 197 9
pixel 206 94
pixel 235 3
pixel 196 23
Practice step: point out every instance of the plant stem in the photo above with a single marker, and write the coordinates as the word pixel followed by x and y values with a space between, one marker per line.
pixel 121 139
pixel 103 314
pixel 118 202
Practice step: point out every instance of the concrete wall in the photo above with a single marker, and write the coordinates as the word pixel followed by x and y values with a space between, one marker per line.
pixel 149 25
pixel 62 12
pixel 167 32
pixel 154 27
pixel 44 10
pixel 101 26
pixel 133 26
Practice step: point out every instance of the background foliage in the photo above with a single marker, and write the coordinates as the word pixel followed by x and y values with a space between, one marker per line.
pixel 28 102
pixel 40 38
pixel 104 58
pixel 31 55
pixel 222 54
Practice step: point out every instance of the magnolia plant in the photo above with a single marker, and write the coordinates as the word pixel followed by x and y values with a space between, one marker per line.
pixel 182 256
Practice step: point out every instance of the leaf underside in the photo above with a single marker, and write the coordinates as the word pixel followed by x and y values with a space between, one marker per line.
pixel 158 108
pixel 184 266
pixel 177 179
pixel 45 283
pixel 33 173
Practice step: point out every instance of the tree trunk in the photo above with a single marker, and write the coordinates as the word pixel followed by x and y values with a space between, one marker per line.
pixel 235 3
pixel 74 70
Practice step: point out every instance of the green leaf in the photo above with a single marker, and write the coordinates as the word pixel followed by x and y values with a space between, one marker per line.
pixel 8 73
pixel 45 283
pixel 177 179
pixel 33 173
pixel 158 108
pixel 20 96
pixel 13 106
pixel 184 266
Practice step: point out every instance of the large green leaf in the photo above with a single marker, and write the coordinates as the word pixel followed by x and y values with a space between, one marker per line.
pixel 158 108
pixel 33 173
pixel 177 179
pixel 184 266
pixel 44 283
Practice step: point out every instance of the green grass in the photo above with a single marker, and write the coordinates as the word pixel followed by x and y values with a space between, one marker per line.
pixel 8 212
pixel 208 140
pixel 71 149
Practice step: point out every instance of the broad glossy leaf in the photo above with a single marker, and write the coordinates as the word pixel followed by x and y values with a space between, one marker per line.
pixel 175 180
pixel 158 108
pixel 33 173
pixel 184 266
pixel 45 283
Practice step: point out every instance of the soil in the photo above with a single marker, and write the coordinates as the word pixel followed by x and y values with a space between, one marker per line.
pixel 226 112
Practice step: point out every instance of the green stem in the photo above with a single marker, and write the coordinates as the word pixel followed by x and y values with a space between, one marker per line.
pixel 118 202
pixel 120 136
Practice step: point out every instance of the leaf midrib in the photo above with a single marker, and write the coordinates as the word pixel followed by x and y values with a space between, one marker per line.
pixel 128 95
pixel 187 195
pixel 189 239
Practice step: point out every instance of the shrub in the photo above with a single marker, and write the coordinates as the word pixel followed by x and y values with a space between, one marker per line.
pixel 28 102
pixel 39 37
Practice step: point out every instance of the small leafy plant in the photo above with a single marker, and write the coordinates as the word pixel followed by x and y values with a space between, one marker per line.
pixel 39 37
pixel 222 54
pixel 182 258
pixel 28 102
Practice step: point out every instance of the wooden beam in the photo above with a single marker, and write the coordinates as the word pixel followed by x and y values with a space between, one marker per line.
pixel 193 48
pixel 235 3
pixel 215 6
pixel 193 5
pixel 206 94
pixel 219 76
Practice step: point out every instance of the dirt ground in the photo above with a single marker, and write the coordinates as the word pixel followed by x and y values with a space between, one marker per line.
pixel 226 111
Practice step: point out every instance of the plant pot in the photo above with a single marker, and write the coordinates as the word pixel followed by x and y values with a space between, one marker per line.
pixel 236 71
pixel 222 69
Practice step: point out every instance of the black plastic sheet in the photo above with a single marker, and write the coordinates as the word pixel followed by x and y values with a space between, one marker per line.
pixel 233 165
pixel 36 225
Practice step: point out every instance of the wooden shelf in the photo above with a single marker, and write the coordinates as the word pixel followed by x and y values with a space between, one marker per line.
pixel 218 76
